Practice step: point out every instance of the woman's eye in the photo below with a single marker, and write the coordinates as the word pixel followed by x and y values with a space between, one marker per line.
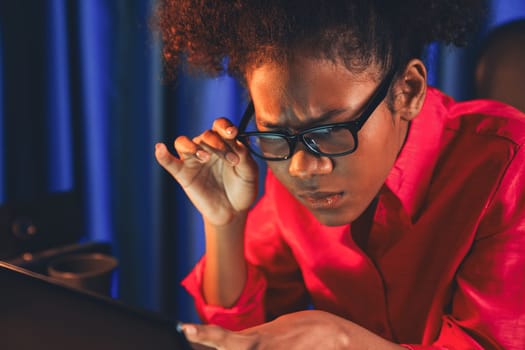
pixel 322 133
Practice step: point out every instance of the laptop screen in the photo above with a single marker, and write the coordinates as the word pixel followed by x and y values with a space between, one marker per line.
pixel 36 313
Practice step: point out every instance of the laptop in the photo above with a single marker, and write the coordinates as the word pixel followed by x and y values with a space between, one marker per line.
pixel 38 313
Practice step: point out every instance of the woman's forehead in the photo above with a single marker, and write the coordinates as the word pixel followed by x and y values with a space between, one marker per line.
pixel 307 78
pixel 301 63
pixel 308 90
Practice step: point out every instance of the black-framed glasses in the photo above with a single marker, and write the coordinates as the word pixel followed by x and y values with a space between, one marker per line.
pixel 330 140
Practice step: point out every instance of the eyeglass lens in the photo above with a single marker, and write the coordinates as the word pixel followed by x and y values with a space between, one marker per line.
pixel 329 141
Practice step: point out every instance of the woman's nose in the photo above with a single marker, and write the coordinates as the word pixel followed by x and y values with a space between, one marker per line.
pixel 304 164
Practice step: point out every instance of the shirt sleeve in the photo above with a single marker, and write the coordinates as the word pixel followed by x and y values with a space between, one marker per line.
pixel 488 309
pixel 274 283
pixel 246 312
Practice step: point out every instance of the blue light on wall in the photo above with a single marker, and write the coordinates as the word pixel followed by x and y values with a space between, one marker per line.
pixel 431 61
pixel 95 44
pixel 2 128
pixel 60 170
pixel 502 11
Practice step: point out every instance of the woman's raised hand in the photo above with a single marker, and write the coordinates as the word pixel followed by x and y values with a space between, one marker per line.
pixel 215 170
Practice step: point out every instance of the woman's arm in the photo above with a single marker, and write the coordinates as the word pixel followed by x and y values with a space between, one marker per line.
pixel 225 272
pixel 220 178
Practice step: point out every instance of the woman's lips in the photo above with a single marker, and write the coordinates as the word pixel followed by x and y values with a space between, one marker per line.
pixel 322 200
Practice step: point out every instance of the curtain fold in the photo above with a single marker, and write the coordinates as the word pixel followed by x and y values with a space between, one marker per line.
pixel 82 104
pixel 60 155
pixel 96 42
pixel 2 127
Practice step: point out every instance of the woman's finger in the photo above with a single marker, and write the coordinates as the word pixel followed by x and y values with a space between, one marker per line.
pixel 225 128
pixel 229 132
pixel 206 335
pixel 213 142
pixel 169 162
pixel 216 337
pixel 187 149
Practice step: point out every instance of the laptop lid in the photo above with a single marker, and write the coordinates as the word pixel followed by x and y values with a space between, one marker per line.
pixel 38 313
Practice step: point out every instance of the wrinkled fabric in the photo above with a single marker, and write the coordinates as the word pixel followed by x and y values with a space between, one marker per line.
pixel 444 267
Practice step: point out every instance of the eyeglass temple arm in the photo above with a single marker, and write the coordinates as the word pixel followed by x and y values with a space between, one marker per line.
pixel 246 116
pixel 379 95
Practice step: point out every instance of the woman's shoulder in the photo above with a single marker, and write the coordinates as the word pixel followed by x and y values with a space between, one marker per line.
pixel 487 118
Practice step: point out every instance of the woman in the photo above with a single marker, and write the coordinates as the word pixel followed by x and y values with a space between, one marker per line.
pixel 397 213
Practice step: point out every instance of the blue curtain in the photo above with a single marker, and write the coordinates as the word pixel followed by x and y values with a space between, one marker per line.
pixel 2 128
pixel 82 103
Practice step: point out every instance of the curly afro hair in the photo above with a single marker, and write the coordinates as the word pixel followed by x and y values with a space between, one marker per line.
pixel 228 36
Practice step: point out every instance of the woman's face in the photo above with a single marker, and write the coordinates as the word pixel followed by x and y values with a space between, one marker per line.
pixel 312 92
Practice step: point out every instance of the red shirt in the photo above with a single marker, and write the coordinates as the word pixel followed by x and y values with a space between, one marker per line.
pixel 444 263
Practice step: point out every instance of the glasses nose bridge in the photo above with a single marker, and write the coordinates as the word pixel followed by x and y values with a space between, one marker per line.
pixel 292 144
pixel 299 138
pixel 304 162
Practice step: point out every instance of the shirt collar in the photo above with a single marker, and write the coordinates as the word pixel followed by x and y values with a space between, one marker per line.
pixel 410 176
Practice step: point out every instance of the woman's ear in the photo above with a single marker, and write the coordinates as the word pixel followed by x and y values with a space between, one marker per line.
pixel 410 90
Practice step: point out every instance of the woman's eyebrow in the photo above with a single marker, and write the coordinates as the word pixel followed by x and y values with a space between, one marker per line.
pixel 315 120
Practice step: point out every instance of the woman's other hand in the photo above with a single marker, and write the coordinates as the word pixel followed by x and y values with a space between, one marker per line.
pixel 310 329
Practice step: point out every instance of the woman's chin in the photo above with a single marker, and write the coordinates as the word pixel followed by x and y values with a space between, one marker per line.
pixel 335 217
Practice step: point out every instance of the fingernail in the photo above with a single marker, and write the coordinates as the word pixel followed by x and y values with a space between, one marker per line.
pixel 230 130
pixel 201 155
pixel 231 157
pixel 157 145
pixel 189 329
